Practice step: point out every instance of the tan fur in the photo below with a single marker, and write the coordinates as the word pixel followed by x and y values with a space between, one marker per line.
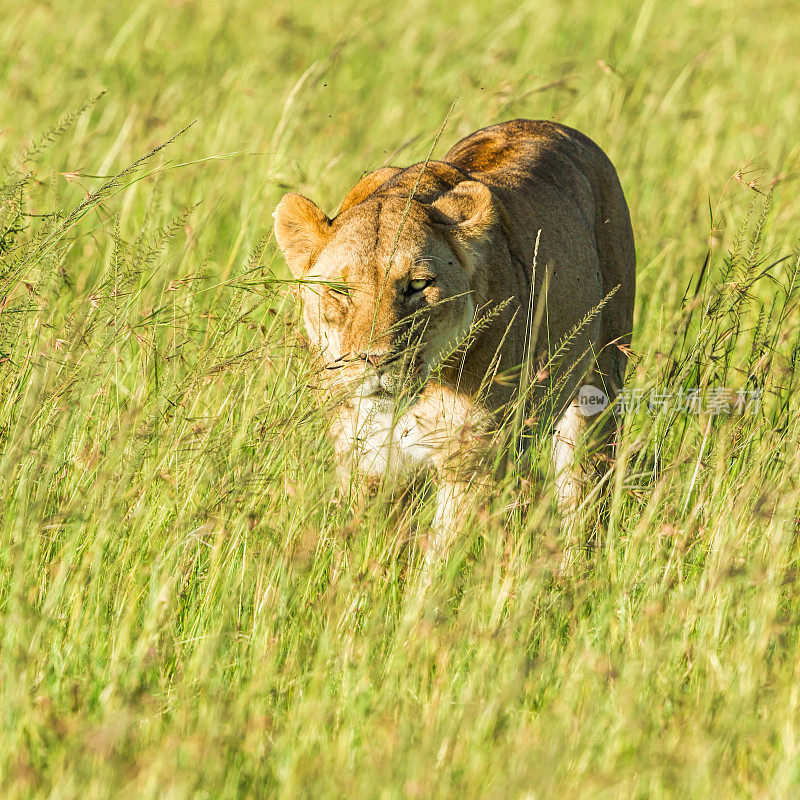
pixel 507 205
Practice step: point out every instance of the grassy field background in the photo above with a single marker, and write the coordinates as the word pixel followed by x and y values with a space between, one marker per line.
pixel 186 607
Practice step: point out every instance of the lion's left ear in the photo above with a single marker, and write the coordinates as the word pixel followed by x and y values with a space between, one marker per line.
pixel 467 207
pixel 467 214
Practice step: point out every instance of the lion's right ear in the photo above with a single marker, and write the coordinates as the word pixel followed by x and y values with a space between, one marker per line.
pixel 301 230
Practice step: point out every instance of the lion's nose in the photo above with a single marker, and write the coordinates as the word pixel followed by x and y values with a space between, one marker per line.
pixel 375 359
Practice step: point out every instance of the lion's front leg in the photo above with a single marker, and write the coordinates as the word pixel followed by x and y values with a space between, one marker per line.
pixel 464 489
pixel 582 449
pixel 455 501
pixel 458 444
pixel 570 477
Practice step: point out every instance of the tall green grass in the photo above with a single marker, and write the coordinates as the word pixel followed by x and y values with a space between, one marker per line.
pixel 187 606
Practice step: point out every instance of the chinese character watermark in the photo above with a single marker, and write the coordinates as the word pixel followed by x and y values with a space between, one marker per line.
pixel 713 401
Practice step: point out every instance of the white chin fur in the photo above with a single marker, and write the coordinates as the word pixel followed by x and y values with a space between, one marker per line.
pixel 368 427
pixel 387 382
pixel 381 443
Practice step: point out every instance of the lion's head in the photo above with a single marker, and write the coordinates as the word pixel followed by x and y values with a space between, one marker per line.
pixel 389 285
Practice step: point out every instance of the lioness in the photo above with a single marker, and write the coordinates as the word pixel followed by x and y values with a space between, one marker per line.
pixel 438 290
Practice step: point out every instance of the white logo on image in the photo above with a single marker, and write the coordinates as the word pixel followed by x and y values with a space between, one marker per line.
pixel 591 400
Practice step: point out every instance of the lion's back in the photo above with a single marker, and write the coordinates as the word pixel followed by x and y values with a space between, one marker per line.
pixel 519 157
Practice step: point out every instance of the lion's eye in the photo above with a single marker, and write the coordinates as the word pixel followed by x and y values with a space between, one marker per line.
pixel 418 284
